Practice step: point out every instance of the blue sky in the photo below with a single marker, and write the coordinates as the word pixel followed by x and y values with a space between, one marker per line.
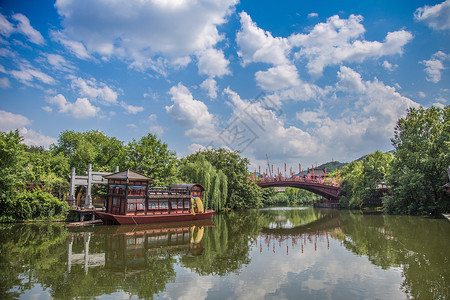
pixel 301 81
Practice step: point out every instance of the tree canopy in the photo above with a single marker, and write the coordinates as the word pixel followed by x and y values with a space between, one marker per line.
pixel 421 158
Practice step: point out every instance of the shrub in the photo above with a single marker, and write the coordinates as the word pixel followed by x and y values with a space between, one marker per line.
pixel 26 205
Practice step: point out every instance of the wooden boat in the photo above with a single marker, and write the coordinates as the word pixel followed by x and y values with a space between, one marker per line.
pixel 130 200
pixel 111 219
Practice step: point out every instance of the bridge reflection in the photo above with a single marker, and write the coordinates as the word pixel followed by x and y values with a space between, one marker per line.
pixel 319 230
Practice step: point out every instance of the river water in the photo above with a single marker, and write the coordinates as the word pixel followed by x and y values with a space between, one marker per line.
pixel 277 253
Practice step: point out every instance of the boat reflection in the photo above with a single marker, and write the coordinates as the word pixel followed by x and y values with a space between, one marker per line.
pixel 128 249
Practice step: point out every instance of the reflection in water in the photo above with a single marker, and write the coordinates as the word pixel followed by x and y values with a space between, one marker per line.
pixel 271 253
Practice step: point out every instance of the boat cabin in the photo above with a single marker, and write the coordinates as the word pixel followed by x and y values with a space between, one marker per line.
pixel 129 193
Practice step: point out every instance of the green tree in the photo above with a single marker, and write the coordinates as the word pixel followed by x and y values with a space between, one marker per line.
pixel 422 156
pixel 361 179
pixel 151 156
pixel 12 162
pixel 91 147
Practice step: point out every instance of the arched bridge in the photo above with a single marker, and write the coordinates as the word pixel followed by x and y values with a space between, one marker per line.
pixel 330 192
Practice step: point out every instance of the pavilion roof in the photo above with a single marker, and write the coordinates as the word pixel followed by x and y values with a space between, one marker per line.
pixel 128 174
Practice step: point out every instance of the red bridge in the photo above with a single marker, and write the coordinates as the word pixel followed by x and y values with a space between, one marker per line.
pixel 329 191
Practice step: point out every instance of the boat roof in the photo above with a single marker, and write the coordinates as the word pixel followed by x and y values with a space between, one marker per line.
pixel 128 174
pixel 187 186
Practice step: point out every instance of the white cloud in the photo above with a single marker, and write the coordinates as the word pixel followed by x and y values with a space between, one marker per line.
pixel 257 45
pixel 80 109
pixel 10 121
pixel 27 74
pixel 141 31
pixel 212 62
pixel 94 90
pixel 210 86
pixel 191 113
pixel 366 122
pixel 33 138
pixel 6 28
pixel 339 40
pixel 436 17
pixel 435 65
pixel 350 81
pixel 310 116
pixel 265 131
pixel 25 28
pixel 313 15
pixel 303 91
pixel 4 83
pixel 76 48
pixel 131 109
pixel 388 66
pixel 47 109
pixel 277 78
pixel 59 62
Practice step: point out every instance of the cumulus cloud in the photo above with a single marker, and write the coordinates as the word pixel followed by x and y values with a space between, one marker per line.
pixel 277 78
pixel 191 113
pixel 142 31
pixel 80 109
pixel 258 45
pixel 212 62
pixel 368 119
pixel 388 66
pixel 264 130
pixel 310 116
pixel 435 65
pixel 313 15
pixel 95 90
pixel 341 40
pixel 34 138
pixel 10 121
pixel 436 17
pixel 210 86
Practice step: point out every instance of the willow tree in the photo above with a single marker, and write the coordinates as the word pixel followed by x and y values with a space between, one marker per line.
pixel 215 182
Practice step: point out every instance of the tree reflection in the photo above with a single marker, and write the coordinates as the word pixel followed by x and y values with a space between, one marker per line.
pixel 413 243
pixel 140 261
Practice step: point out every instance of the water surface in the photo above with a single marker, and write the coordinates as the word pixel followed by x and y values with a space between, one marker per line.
pixel 281 253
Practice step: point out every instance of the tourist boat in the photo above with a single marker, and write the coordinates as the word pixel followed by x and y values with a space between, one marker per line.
pixel 131 200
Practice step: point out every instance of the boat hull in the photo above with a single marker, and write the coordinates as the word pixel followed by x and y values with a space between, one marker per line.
pixel 110 219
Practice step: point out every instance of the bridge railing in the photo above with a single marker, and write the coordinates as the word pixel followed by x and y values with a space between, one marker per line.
pixel 326 181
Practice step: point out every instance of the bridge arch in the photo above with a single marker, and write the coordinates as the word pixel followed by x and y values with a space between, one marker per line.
pixel 330 192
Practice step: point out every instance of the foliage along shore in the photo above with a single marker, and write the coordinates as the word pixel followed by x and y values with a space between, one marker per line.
pixel 34 181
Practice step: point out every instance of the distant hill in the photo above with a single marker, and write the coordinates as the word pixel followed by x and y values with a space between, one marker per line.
pixel 362 157
pixel 332 165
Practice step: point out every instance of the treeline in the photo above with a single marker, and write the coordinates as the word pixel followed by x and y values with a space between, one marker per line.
pixel 414 174
pixel 34 182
